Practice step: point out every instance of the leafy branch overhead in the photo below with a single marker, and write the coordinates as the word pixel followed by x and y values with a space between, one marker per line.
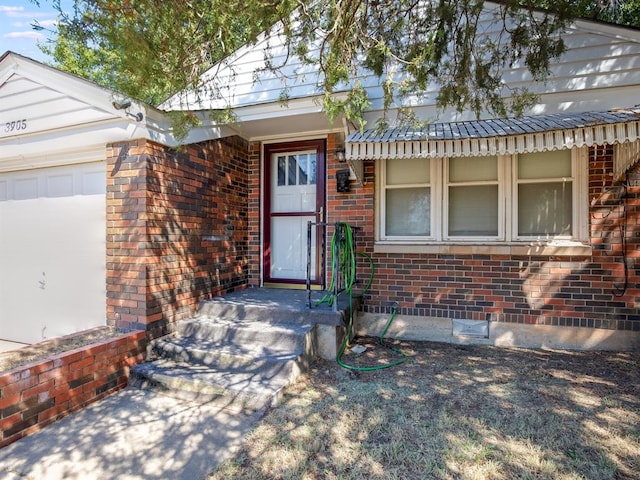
pixel 453 50
pixel 456 50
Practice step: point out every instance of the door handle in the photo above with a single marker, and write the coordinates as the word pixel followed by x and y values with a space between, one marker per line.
pixel 321 214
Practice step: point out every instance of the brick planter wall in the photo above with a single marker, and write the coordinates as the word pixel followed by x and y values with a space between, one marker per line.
pixel 38 394
pixel 176 230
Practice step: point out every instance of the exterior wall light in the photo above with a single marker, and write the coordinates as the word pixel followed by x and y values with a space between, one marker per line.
pixel 340 155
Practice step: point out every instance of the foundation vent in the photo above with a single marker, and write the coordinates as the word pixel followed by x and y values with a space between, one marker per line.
pixel 470 328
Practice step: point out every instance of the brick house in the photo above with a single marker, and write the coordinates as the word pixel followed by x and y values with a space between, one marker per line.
pixel 524 228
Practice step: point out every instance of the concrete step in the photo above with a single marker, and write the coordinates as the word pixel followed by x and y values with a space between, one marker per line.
pixel 265 311
pixel 234 356
pixel 239 390
pixel 241 350
pixel 269 336
pixel 232 363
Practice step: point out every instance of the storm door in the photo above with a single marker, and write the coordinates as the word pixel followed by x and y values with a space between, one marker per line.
pixel 295 195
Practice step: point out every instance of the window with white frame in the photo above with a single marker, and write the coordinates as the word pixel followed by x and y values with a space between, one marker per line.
pixel 544 194
pixel 472 198
pixel 407 198
pixel 535 196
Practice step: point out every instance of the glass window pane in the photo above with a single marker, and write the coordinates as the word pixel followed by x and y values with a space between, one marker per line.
pixel 545 165
pixel 473 169
pixel 303 168
pixel 311 173
pixel 293 170
pixel 408 212
pixel 306 164
pixel 408 171
pixel 545 209
pixel 282 171
pixel 473 211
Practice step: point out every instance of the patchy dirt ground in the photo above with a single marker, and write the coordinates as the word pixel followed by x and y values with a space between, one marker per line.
pixel 16 358
pixel 453 412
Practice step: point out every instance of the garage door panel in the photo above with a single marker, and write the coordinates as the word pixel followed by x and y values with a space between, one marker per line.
pixel 52 252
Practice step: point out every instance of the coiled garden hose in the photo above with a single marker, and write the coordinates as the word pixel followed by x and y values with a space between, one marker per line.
pixel 346 263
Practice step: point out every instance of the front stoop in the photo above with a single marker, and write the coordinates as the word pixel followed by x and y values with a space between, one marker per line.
pixel 236 356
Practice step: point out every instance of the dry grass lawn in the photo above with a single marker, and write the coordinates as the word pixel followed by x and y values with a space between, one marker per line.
pixel 454 412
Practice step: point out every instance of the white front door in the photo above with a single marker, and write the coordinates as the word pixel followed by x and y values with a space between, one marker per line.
pixel 295 175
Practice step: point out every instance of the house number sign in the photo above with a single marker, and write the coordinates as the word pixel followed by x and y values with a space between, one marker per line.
pixel 14 125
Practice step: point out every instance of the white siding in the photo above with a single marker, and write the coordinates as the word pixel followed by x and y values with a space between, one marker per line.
pixel 41 108
pixel 237 82
pixel 48 117
pixel 599 58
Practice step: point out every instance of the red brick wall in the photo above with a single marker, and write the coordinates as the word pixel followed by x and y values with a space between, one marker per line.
pixel 176 230
pixel 38 394
pixel 567 291
pixel 571 291
pixel 255 192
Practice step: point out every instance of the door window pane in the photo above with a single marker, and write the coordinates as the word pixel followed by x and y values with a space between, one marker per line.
pixel 473 210
pixel 296 169
pixel 282 171
pixel 408 212
pixel 311 171
pixel 293 170
pixel 307 169
pixel 545 209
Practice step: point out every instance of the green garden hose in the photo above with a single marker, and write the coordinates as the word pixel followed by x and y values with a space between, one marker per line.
pixel 346 263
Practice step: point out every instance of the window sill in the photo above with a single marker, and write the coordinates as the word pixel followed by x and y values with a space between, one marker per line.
pixel 564 249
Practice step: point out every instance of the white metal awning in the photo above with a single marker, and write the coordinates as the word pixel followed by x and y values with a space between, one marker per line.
pixel 503 136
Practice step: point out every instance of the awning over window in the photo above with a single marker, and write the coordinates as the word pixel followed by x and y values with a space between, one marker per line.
pixel 497 136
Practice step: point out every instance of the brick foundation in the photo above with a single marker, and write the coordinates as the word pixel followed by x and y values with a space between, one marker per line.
pixel 38 394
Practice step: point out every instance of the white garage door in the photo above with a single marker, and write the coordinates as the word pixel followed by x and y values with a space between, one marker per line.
pixel 52 251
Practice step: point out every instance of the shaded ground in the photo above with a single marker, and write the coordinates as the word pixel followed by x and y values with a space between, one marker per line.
pixel 39 351
pixel 130 435
pixel 454 412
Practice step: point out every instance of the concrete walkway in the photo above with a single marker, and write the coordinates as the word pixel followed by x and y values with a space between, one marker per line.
pixel 131 435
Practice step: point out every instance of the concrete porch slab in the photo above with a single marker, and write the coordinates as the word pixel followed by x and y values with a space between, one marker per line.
pixel 248 304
